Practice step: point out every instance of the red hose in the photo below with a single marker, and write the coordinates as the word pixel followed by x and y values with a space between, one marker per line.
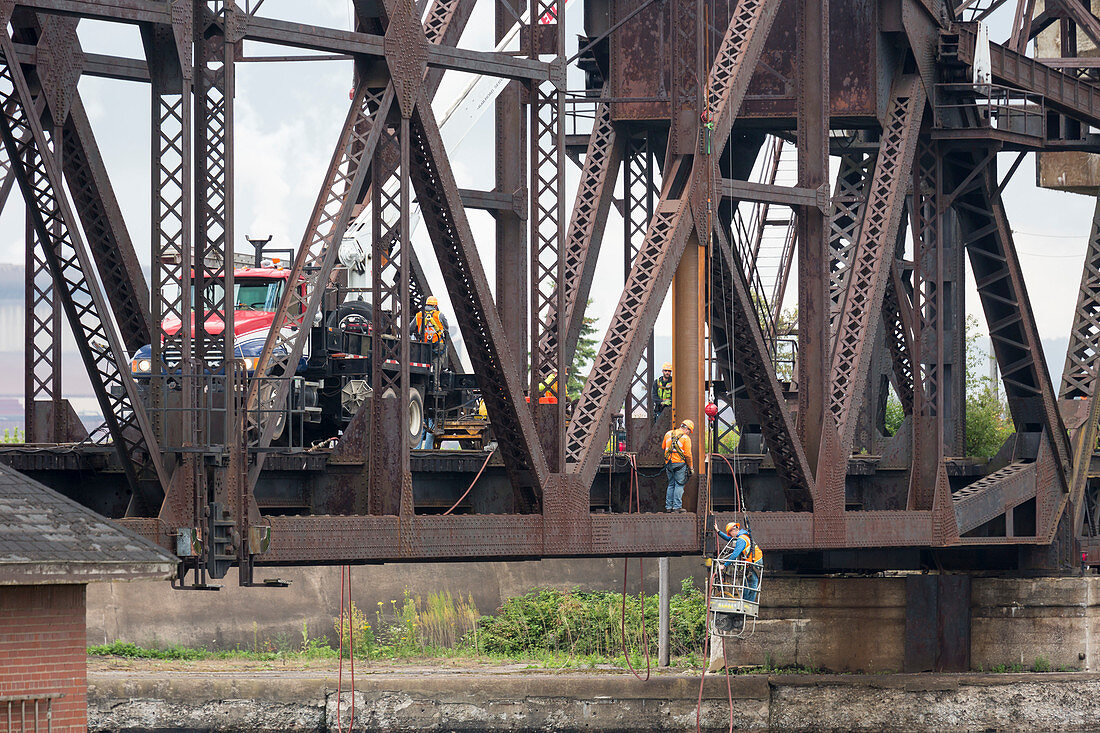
pixel 471 486
pixel 633 496
pixel 706 662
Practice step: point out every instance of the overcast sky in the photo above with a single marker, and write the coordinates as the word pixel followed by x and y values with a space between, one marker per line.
pixel 288 117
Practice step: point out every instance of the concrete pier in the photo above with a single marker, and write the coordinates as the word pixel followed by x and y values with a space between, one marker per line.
pixel 891 623
pixel 595 703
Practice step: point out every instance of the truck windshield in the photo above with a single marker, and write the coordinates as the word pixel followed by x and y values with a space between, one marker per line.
pixel 252 293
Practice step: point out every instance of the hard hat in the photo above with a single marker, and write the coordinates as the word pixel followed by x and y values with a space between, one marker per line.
pixel 689 424
pixel 732 527
pixel 432 300
pixel 666 367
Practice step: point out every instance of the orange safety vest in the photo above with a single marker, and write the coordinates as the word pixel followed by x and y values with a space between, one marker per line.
pixel 752 552
pixel 677 447
pixel 434 330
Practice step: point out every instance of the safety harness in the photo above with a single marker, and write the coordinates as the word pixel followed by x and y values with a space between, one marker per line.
pixel 675 448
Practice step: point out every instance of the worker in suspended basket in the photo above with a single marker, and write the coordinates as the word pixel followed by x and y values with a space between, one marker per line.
pixel 678 463
pixel 662 391
pixel 431 327
pixel 745 548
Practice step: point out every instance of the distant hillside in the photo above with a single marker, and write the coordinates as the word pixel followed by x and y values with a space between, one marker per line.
pixel 11 282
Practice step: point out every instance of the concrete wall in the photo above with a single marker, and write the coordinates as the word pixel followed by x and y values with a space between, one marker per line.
pixel 830 623
pixel 151 613
pixel 608 703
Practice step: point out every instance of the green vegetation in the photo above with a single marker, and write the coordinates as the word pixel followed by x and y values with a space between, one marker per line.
pixel 545 628
pixel 583 356
pixel 988 423
pixel 12 436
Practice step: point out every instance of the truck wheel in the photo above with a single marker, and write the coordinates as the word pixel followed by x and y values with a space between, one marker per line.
pixel 354 311
pixel 415 415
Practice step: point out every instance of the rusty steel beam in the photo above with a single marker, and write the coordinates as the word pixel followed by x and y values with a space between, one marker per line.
pixel 987 236
pixel 773 194
pixel 1062 92
pixel 496 366
pixel 589 219
pixel 993 495
pixel 756 369
pixel 69 260
pixel 668 232
pixel 862 303
pixel 1082 369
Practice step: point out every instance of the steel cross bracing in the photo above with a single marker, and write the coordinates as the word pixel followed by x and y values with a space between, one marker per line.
pixel 641 180
pixel 862 309
pixel 668 232
pixel 547 211
pixel 1082 370
pixel 494 363
pixel 581 247
pixel 390 488
pixel 343 186
pixel 761 384
pixel 86 306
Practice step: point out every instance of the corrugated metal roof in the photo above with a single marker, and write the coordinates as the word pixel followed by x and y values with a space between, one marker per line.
pixel 48 538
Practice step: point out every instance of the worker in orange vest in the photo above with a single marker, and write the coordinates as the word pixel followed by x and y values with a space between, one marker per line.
pixel 431 327
pixel 678 464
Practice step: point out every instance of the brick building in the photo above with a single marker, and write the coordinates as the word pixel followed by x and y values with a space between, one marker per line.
pixel 50 549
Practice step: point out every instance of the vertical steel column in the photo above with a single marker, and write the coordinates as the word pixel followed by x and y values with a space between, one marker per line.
pixel 928 305
pixel 511 179
pixel 170 228
pixel 640 189
pixel 213 245
pixel 171 71
pixel 41 370
pixel 813 231
pixel 390 474
pixel 548 221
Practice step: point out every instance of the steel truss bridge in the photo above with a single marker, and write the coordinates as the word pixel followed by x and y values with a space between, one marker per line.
pixel 690 110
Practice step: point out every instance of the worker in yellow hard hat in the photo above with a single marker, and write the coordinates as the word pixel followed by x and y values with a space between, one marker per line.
pixel 678 463
pixel 740 546
pixel 662 391
pixel 431 328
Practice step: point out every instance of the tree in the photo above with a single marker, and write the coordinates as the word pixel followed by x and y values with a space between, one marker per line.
pixel 988 423
pixel 583 356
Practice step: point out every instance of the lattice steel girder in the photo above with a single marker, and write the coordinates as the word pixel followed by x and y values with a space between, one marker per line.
pixel 313 37
pixel 108 237
pixel 993 495
pixel 313 262
pixel 1083 354
pixel 85 304
pixel 987 236
pixel 390 488
pixel 897 312
pixel 761 384
pixel 1082 369
pixel 849 201
pixel 586 227
pixel 496 366
pixel 862 304
pixel 669 228
pixel 57 72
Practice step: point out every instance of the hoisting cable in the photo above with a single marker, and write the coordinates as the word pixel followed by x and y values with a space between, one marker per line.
pixel 633 497
pixel 706 663
pixel 471 486
pixel 345 569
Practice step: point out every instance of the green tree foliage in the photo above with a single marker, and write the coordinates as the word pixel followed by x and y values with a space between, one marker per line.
pixel 988 423
pixel 583 356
